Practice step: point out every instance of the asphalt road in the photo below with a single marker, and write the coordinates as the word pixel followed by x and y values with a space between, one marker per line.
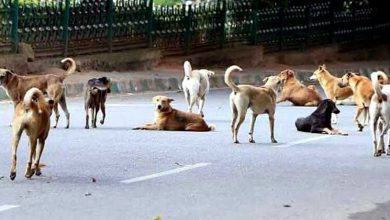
pixel 189 175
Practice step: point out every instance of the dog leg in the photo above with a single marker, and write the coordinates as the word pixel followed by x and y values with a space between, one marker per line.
pixel 103 107
pixel 234 117
pixel 271 119
pixel 57 114
pixel 87 118
pixel 358 112
pixel 41 145
pixel 65 109
pixel 33 145
pixel 373 125
pixel 15 143
pixel 251 129
pixel 201 104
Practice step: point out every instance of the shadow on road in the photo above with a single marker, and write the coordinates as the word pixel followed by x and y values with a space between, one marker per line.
pixel 381 212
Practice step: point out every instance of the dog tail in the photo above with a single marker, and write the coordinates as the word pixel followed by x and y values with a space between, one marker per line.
pixel 375 76
pixel 212 127
pixel 72 68
pixel 34 98
pixel 228 79
pixel 187 69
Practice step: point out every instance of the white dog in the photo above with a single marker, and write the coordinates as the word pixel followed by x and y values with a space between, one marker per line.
pixel 195 86
pixel 380 113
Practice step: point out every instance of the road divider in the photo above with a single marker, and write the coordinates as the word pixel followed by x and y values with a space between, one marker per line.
pixel 165 173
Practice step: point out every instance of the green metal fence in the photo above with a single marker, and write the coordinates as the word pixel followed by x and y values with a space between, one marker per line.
pixel 72 27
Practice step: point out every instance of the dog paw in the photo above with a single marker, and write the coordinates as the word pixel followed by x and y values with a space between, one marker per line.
pixel 12 175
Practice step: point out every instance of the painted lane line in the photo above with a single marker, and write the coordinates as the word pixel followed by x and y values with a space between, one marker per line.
pixel 165 173
pixel 303 141
pixel 7 207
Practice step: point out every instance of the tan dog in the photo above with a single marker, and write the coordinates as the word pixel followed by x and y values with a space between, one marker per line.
pixel 362 93
pixel 33 115
pixel 261 100
pixel 295 92
pixel 17 86
pixel 330 85
pixel 168 118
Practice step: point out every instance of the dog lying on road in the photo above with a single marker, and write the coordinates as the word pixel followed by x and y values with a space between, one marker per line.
pixel 95 99
pixel 52 84
pixel 195 86
pixel 168 118
pixel 320 120
pixel 380 113
pixel 33 115
pixel 261 100
pixel 295 92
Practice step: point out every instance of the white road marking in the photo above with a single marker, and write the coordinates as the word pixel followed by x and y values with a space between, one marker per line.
pixel 128 105
pixel 7 207
pixel 165 173
pixel 303 141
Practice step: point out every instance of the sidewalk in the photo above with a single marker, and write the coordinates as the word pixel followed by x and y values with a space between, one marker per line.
pixel 169 78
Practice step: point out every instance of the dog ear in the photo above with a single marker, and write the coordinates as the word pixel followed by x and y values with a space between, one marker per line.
pixel 265 79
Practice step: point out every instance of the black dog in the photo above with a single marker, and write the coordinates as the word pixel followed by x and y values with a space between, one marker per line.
pixel 320 120
pixel 95 98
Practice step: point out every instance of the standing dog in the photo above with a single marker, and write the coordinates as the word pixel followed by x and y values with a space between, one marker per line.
pixel 296 92
pixel 168 118
pixel 362 93
pixel 52 84
pixel 380 113
pixel 33 115
pixel 95 98
pixel 261 100
pixel 330 85
pixel 195 86
pixel 320 120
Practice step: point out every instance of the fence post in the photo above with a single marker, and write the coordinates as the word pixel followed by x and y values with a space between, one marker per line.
pixel 281 26
pixel 14 27
pixel 255 21
pixel 188 26
pixel 65 25
pixel 222 37
pixel 110 21
pixel 150 22
pixel 308 25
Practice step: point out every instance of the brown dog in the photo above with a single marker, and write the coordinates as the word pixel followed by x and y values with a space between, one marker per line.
pixel 362 93
pixel 52 84
pixel 168 118
pixel 330 84
pixel 261 100
pixel 295 92
pixel 33 115
pixel 95 99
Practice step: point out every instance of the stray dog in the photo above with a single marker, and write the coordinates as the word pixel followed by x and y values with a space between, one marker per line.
pixel 380 113
pixel 320 120
pixel 33 115
pixel 95 99
pixel 295 92
pixel 52 84
pixel 261 100
pixel 330 85
pixel 195 86
pixel 362 93
pixel 168 118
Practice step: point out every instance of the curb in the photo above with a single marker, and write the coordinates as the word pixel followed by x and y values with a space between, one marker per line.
pixel 157 84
